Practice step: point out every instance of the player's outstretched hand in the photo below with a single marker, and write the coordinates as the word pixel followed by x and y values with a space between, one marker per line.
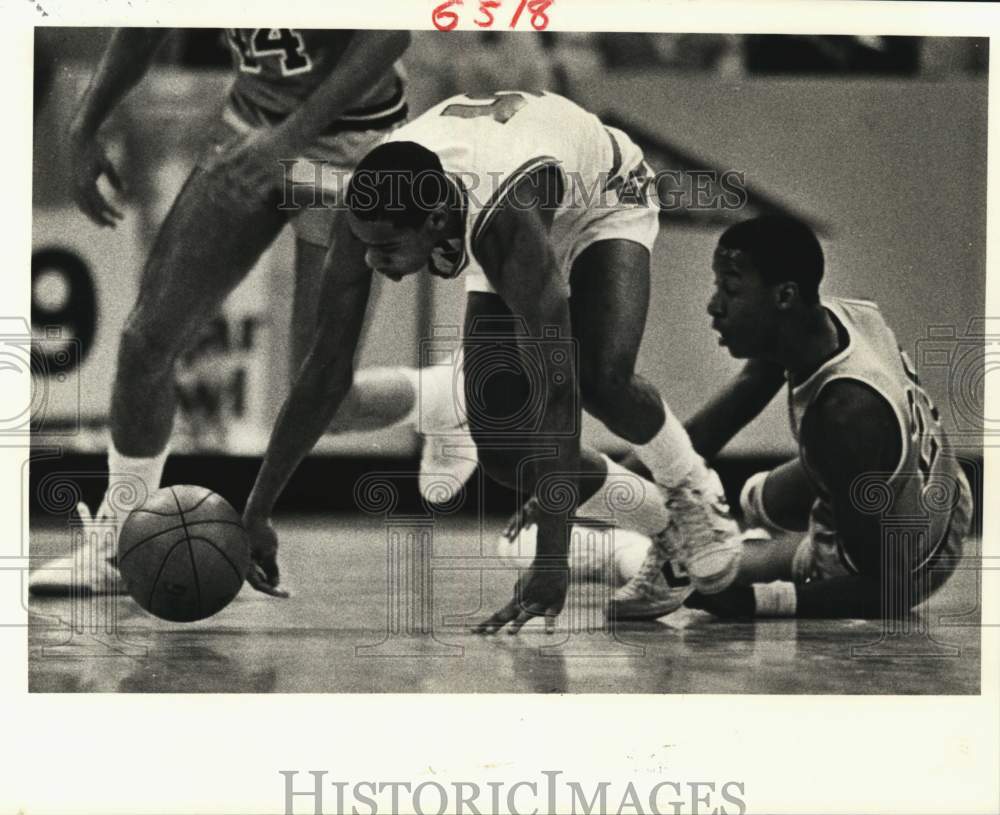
pixel 264 575
pixel 540 592
pixel 89 161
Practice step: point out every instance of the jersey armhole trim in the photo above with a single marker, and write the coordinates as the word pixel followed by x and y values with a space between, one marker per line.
pixel 485 216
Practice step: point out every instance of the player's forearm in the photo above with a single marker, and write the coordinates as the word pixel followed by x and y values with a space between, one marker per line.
pixel 368 57
pixel 847 597
pixel 308 410
pixel 732 408
pixel 852 597
pixel 126 60
pixel 556 478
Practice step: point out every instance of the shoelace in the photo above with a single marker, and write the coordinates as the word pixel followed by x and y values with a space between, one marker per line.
pixel 692 515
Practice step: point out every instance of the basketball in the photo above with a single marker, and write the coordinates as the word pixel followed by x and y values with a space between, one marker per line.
pixel 184 553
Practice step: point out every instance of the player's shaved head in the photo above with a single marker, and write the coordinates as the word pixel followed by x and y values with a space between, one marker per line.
pixel 401 182
pixel 782 250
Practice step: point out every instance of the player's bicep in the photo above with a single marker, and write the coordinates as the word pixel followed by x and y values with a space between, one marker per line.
pixel 516 252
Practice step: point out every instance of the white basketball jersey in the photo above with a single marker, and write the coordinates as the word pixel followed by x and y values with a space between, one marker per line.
pixel 488 143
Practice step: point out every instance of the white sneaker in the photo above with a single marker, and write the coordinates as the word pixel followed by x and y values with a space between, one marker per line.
pixel 593 550
pixel 707 540
pixel 89 569
pixel 443 473
pixel 658 588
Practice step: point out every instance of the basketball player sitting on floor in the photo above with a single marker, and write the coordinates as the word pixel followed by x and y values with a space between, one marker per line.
pixel 864 427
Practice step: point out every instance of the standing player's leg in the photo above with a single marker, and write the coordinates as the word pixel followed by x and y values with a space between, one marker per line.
pixel 206 246
pixel 502 400
pixel 610 296
pixel 501 403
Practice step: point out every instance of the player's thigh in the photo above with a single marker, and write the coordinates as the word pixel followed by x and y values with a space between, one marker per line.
pixel 206 246
pixel 609 282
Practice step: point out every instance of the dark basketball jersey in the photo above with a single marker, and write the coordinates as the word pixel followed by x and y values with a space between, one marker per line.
pixel 278 68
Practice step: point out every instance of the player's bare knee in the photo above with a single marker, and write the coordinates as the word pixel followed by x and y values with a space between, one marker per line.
pixel 144 353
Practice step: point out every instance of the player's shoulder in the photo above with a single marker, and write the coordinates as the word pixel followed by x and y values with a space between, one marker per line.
pixel 851 427
pixel 845 402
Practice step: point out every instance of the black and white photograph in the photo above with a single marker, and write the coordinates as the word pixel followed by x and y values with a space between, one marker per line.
pixel 500 360
pixel 292 386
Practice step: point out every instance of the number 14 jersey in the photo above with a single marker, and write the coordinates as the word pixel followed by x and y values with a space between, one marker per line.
pixel 278 68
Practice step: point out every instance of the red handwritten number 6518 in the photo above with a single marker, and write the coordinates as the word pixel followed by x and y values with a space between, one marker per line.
pixel 539 19
pixel 446 20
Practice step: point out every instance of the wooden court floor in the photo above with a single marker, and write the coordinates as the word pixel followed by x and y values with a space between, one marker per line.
pixel 382 607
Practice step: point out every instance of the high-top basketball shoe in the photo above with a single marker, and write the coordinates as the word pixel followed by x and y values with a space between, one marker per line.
pixel 90 567
pixel 659 587
pixel 596 550
pixel 707 539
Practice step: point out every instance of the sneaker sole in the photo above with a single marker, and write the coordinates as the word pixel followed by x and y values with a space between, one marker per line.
pixel 620 611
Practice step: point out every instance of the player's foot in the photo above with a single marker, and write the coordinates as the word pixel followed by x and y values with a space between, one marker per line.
pixel 593 551
pixel 444 472
pixel 658 588
pixel 89 569
pixel 707 542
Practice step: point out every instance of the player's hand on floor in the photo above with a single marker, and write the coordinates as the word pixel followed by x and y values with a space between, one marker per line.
pixel 264 575
pixel 540 592
pixel 89 161
pixel 735 603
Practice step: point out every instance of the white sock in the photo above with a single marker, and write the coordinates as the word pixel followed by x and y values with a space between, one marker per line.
pixel 130 481
pixel 441 399
pixel 627 500
pixel 669 454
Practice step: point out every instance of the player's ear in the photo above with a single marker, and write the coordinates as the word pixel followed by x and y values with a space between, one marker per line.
pixel 786 294
pixel 438 219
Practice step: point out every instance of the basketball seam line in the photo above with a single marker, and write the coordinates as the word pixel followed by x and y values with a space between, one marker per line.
pixel 183 525
pixel 223 555
pixel 203 499
pixel 163 565
pixel 187 538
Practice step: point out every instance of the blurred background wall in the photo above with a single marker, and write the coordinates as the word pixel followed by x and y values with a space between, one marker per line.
pixel 879 142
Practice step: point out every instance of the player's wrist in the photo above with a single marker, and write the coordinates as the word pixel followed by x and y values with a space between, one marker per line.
pixel 775 599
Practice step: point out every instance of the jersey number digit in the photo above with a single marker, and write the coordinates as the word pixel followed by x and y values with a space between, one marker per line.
pixel 287 42
pixel 502 107
pixel 925 424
